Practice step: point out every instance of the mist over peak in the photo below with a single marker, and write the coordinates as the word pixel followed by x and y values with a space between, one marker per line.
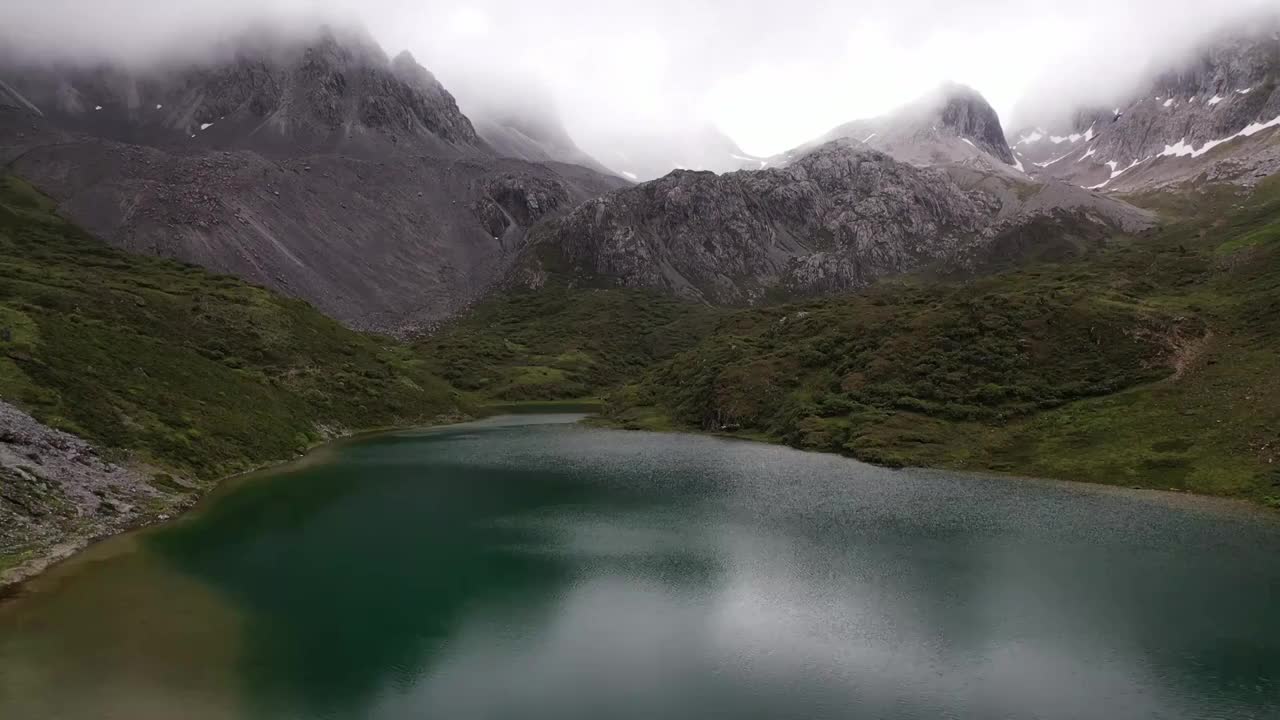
pixel 1087 85
pixel 766 76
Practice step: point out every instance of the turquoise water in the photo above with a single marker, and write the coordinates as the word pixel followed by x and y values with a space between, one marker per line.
pixel 526 567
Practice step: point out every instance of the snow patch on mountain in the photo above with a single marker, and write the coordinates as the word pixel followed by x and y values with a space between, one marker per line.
pixel 1055 160
pixel 1033 137
pixel 1184 149
pixel 1116 172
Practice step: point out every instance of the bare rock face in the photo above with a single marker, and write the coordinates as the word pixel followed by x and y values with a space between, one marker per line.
pixel 526 198
pixel 833 219
pixel 954 124
pixel 317 168
pixel 332 91
pixel 390 245
pixel 57 494
pixel 1217 116
pixel 969 116
pixel 534 139
pixel 517 199
pixel 519 120
pixel 429 103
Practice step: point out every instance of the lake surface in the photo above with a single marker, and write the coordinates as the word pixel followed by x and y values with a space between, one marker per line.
pixel 525 567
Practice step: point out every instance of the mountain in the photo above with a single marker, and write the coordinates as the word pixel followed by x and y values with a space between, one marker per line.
pixel 143 381
pixel 835 218
pixel 646 156
pixel 535 139
pixel 315 166
pixel 333 91
pixel 953 124
pixel 519 120
pixel 1215 117
pixel 1145 361
pixel 932 186
pixel 1152 363
pixel 956 131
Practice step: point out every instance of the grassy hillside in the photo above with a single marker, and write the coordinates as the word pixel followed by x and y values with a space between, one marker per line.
pixel 558 343
pixel 1149 363
pixel 199 373
pixel 1152 363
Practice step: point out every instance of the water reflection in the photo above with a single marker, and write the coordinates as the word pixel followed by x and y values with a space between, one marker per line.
pixel 529 570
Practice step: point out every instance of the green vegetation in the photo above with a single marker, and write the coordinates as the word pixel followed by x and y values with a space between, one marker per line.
pixel 1151 363
pixel 558 343
pixel 887 374
pixel 196 373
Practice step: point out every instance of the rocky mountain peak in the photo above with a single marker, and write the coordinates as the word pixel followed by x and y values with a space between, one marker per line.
pixel 966 113
pixel 839 216
pixel 346 44
pixel 518 117
pixel 1215 114
pixel 952 124
pixel 314 165
pixel 404 60
pixel 332 89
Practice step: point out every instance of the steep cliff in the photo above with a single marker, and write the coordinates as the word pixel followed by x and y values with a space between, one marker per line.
pixel 1215 116
pixel 835 218
pixel 316 167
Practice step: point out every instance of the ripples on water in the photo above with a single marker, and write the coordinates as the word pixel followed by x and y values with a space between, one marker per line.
pixel 525 568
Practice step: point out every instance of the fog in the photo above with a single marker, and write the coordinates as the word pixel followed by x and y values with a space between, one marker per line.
pixel 770 74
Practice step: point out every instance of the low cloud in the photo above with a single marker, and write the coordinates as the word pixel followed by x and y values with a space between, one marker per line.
pixel 769 74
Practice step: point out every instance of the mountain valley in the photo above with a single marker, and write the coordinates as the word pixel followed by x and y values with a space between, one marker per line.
pixel 216 265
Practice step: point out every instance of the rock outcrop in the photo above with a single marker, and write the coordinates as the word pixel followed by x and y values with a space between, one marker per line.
pixel 318 168
pixel 1216 117
pixel 527 127
pixel 330 91
pixel 953 124
pixel 835 218
pixel 57 492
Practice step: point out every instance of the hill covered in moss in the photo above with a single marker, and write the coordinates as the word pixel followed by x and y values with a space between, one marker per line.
pixel 1149 362
pixel 162 366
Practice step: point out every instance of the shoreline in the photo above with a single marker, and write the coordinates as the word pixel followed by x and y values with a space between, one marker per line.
pixel 13 580
pixel 1183 499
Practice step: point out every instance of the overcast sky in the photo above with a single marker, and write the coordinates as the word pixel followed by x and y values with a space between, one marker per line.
pixel 770 73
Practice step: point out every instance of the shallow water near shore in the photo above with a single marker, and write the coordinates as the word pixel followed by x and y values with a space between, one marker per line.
pixel 530 567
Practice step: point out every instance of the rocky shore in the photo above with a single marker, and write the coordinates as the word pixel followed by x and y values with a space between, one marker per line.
pixel 59 493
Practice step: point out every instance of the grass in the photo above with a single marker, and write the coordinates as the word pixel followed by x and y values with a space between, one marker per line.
pixel 1147 361
pixel 522 407
pixel 559 343
pixel 1151 363
pixel 199 374
pixel 1262 236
